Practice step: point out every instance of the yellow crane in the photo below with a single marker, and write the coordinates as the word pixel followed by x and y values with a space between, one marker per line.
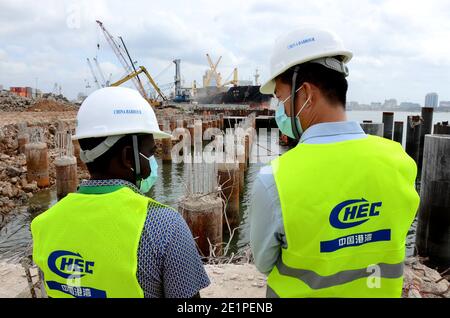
pixel 235 79
pixel 212 72
pixel 132 75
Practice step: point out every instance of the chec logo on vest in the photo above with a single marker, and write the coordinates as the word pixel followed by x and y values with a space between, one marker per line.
pixel 352 213
pixel 349 214
pixel 69 265
pixel 72 266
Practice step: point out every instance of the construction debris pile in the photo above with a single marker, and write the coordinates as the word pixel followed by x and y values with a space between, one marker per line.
pixel 50 105
pixel 421 281
pixel 10 102
pixel 59 98
pixel 14 188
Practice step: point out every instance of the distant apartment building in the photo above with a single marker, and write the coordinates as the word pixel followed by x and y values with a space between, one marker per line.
pixel 375 105
pixel 444 104
pixel 390 103
pixel 352 105
pixel 410 106
pixel 431 100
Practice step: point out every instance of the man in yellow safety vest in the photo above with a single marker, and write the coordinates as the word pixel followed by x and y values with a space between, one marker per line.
pixel 109 239
pixel 328 218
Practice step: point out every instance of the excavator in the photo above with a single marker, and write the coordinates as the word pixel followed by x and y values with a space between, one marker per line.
pixel 151 101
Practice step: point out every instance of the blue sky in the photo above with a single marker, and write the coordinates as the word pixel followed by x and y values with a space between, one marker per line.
pixel 401 48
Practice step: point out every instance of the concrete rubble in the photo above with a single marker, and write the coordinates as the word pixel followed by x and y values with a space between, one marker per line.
pixel 12 102
pixel 424 282
pixel 14 188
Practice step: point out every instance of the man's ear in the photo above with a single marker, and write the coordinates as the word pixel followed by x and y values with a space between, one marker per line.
pixel 308 92
pixel 127 157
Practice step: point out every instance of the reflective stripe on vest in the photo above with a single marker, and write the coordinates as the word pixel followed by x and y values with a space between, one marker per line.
pixel 87 244
pixel 345 207
pixel 315 281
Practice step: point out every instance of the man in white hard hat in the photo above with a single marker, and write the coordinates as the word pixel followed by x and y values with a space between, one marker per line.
pixel 109 239
pixel 328 218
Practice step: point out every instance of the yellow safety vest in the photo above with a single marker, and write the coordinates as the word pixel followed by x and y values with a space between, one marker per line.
pixel 87 244
pixel 347 208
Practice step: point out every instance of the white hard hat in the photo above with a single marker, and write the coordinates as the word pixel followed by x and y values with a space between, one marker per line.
pixel 113 111
pixel 303 45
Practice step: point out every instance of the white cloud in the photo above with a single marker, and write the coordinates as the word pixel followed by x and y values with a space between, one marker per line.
pixel 401 47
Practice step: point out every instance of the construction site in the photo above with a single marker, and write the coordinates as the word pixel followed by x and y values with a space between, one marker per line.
pixel 226 118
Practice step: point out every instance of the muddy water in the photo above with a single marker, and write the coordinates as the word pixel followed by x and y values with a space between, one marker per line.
pixel 15 236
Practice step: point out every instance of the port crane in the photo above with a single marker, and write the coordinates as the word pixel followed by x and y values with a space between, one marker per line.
pixel 212 72
pixel 235 79
pixel 93 74
pixel 104 82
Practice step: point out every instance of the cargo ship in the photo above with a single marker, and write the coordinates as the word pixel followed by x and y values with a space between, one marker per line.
pixel 246 94
pixel 215 91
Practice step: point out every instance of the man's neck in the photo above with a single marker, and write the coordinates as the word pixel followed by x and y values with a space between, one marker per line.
pixel 329 114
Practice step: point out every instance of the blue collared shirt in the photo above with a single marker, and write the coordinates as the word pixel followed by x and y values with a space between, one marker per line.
pixel 267 235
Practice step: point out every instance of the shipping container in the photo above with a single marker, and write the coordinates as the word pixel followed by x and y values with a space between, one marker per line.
pixel 29 92
pixel 22 91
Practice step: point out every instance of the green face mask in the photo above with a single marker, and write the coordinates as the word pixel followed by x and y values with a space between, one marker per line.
pixel 284 121
pixel 147 183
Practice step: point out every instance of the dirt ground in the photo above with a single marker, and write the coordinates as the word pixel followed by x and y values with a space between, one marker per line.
pixel 48 117
pixel 13 281
pixel 227 281
pixel 234 281
pixel 244 281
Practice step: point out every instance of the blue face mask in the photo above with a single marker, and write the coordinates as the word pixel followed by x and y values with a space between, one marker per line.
pixel 147 183
pixel 284 121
